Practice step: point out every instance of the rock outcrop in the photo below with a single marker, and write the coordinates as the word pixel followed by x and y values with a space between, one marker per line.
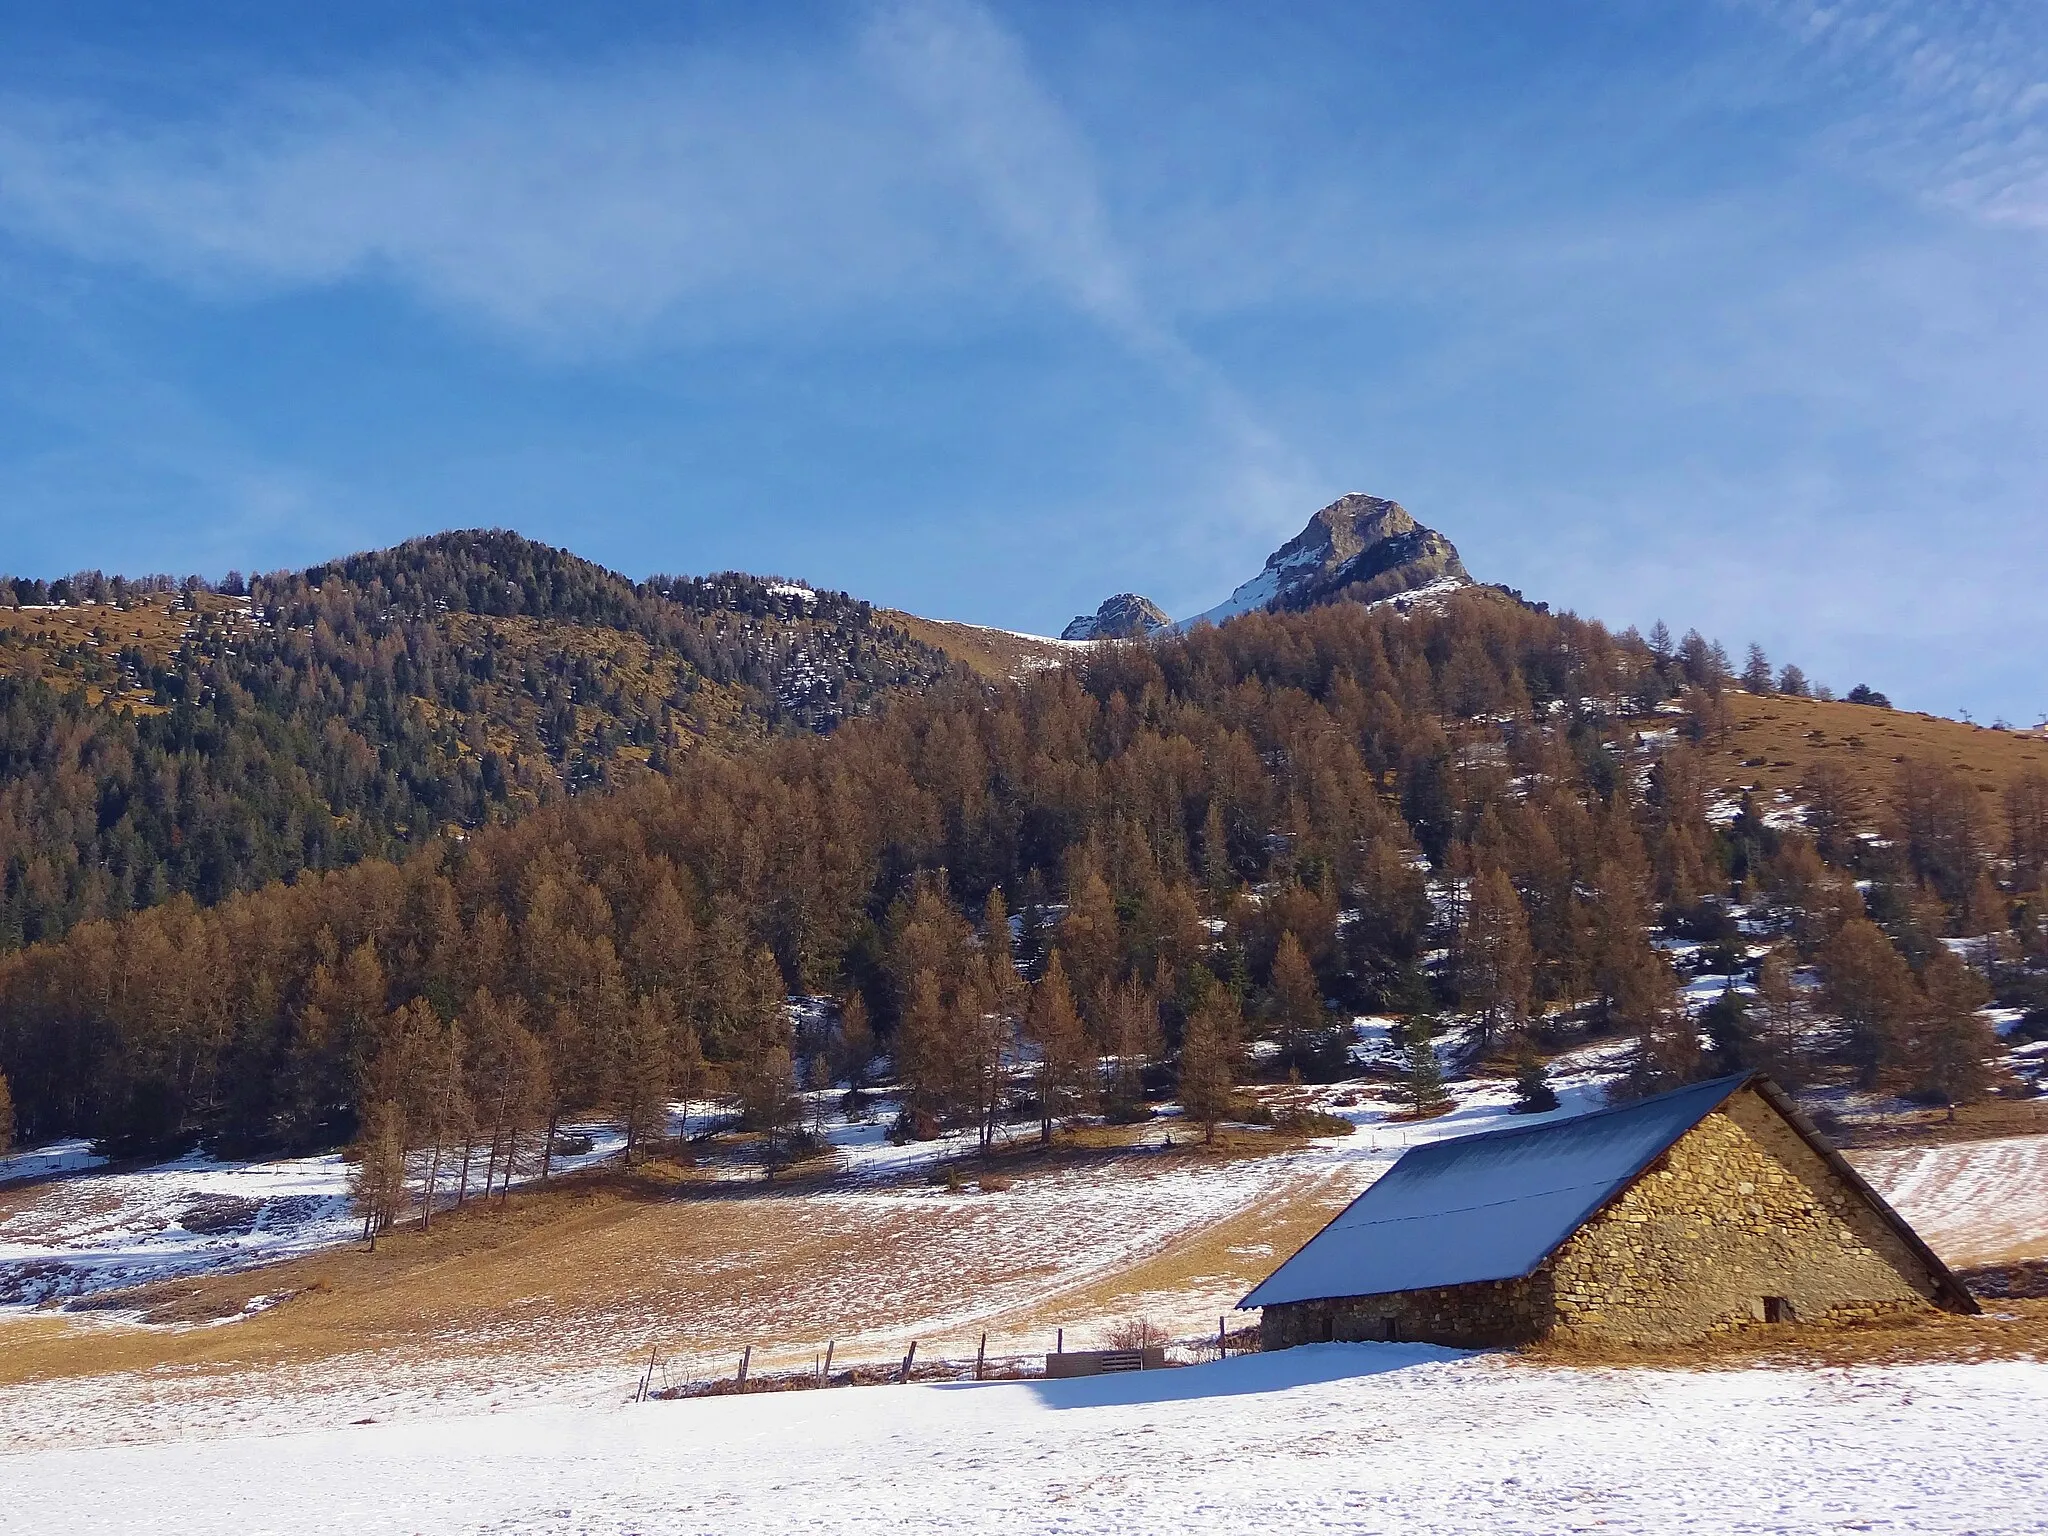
pixel 1357 549
pixel 1126 616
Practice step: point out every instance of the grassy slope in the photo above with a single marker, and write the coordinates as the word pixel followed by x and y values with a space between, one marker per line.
pixel 1779 741
pixel 989 652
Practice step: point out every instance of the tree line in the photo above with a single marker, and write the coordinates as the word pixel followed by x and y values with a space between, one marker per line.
pixel 1083 889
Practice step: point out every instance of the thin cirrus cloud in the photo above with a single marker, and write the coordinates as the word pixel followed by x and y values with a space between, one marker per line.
pixel 566 209
pixel 915 166
pixel 1953 97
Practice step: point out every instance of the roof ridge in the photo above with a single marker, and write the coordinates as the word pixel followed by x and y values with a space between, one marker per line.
pixel 1732 1082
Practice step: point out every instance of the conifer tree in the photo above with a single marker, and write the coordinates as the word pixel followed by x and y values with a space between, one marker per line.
pixel 1951 1042
pixel 1297 1006
pixel 1211 1041
pixel 1533 1093
pixel 1779 1020
pixel 377 1176
pixel 1756 670
pixel 444 1117
pixel 1066 1066
pixel 509 1085
pixel 645 1073
pixel 854 1045
pixel 764 1073
pixel 927 1059
pixel 1866 984
pixel 1131 1015
pixel 1089 938
pixel 1422 1079
pixel 1494 958
pixel 1666 1050
pixel 6 1115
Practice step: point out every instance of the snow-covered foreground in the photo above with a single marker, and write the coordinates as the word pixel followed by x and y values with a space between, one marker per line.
pixel 1332 1437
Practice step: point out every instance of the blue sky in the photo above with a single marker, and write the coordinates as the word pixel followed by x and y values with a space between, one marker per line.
pixel 1729 314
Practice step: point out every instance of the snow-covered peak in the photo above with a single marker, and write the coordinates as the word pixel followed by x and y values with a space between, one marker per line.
pixel 1359 548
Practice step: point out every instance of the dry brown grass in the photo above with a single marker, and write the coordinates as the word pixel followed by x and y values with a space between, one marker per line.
pixel 45 643
pixel 1917 1127
pixel 1778 741
pixel 989 652
pixel 610 1262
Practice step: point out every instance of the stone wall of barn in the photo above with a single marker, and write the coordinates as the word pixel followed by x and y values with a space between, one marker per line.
pixel 1739 1211
pixel 1738 1223
pixel 1489 1315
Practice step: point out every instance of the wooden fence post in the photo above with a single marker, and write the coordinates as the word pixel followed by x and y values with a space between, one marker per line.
pixel 828 1360
pixel 1222 1340
pixel 746 1358
pixel 980 1355
pixel 1059 1346
pixel 904 1374
pixel 647 1378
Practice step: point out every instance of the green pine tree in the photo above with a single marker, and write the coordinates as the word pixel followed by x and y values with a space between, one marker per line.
pixel 1422 1083
pixel 1533 1093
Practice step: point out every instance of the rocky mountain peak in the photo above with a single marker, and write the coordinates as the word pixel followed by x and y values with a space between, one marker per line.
pixel 1357 549
pixel 1123 617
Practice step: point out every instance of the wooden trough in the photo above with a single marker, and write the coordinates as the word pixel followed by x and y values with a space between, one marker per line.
pixel 1102 1362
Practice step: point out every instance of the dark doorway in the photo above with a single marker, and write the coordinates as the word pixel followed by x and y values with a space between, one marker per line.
pixel 1778 1309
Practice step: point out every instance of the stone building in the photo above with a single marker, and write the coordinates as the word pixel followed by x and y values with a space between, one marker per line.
pixel 1715 1207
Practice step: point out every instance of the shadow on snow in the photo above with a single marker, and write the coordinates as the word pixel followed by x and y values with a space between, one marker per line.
pixel 1307 1365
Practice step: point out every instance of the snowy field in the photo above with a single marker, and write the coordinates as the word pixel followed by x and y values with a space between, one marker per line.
pixel 85 1231
pixel 1394 1438
pixel 1976 1202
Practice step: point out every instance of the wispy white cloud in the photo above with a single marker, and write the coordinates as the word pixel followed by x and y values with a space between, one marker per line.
pixel 1950 97
pixel 918 163
pixel 575 207
pixel 1034 174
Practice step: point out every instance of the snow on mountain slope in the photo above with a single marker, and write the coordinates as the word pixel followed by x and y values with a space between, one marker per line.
pixel 1330 1437
pixel 1359 549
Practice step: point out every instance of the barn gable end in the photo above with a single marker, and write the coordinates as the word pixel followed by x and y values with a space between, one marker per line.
pixel 1744 1216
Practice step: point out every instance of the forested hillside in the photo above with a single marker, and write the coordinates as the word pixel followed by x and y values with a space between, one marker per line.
pixel 161 738
pixel 1480 809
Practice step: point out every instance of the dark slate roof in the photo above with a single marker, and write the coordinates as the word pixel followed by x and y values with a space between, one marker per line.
pixel 1491 1206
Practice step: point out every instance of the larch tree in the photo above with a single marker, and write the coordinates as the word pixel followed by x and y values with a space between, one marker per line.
pixel 853 1046
pixel 377 1172
pixel 508 1084
pixel 644 1073
pixel 1866 984
pixel 927 1051
pixel 992 1014
pixel 1297 1006
pixel 1493 957
pixel 764 1075
pixel 1666 1051
pixel 1130 1023
pixel 1947 1056
pixel 1089 936
pixel 1210 1045
pixel 443 1116
pixel 1066 1064
pixel 1779 1020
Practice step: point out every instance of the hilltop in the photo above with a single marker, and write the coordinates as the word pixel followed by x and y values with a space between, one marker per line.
pixel 161 739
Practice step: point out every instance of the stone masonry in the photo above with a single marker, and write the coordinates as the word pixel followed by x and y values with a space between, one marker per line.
pixel 1741 1221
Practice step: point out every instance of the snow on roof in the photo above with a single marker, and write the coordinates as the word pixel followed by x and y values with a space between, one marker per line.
pixel 1487 1207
